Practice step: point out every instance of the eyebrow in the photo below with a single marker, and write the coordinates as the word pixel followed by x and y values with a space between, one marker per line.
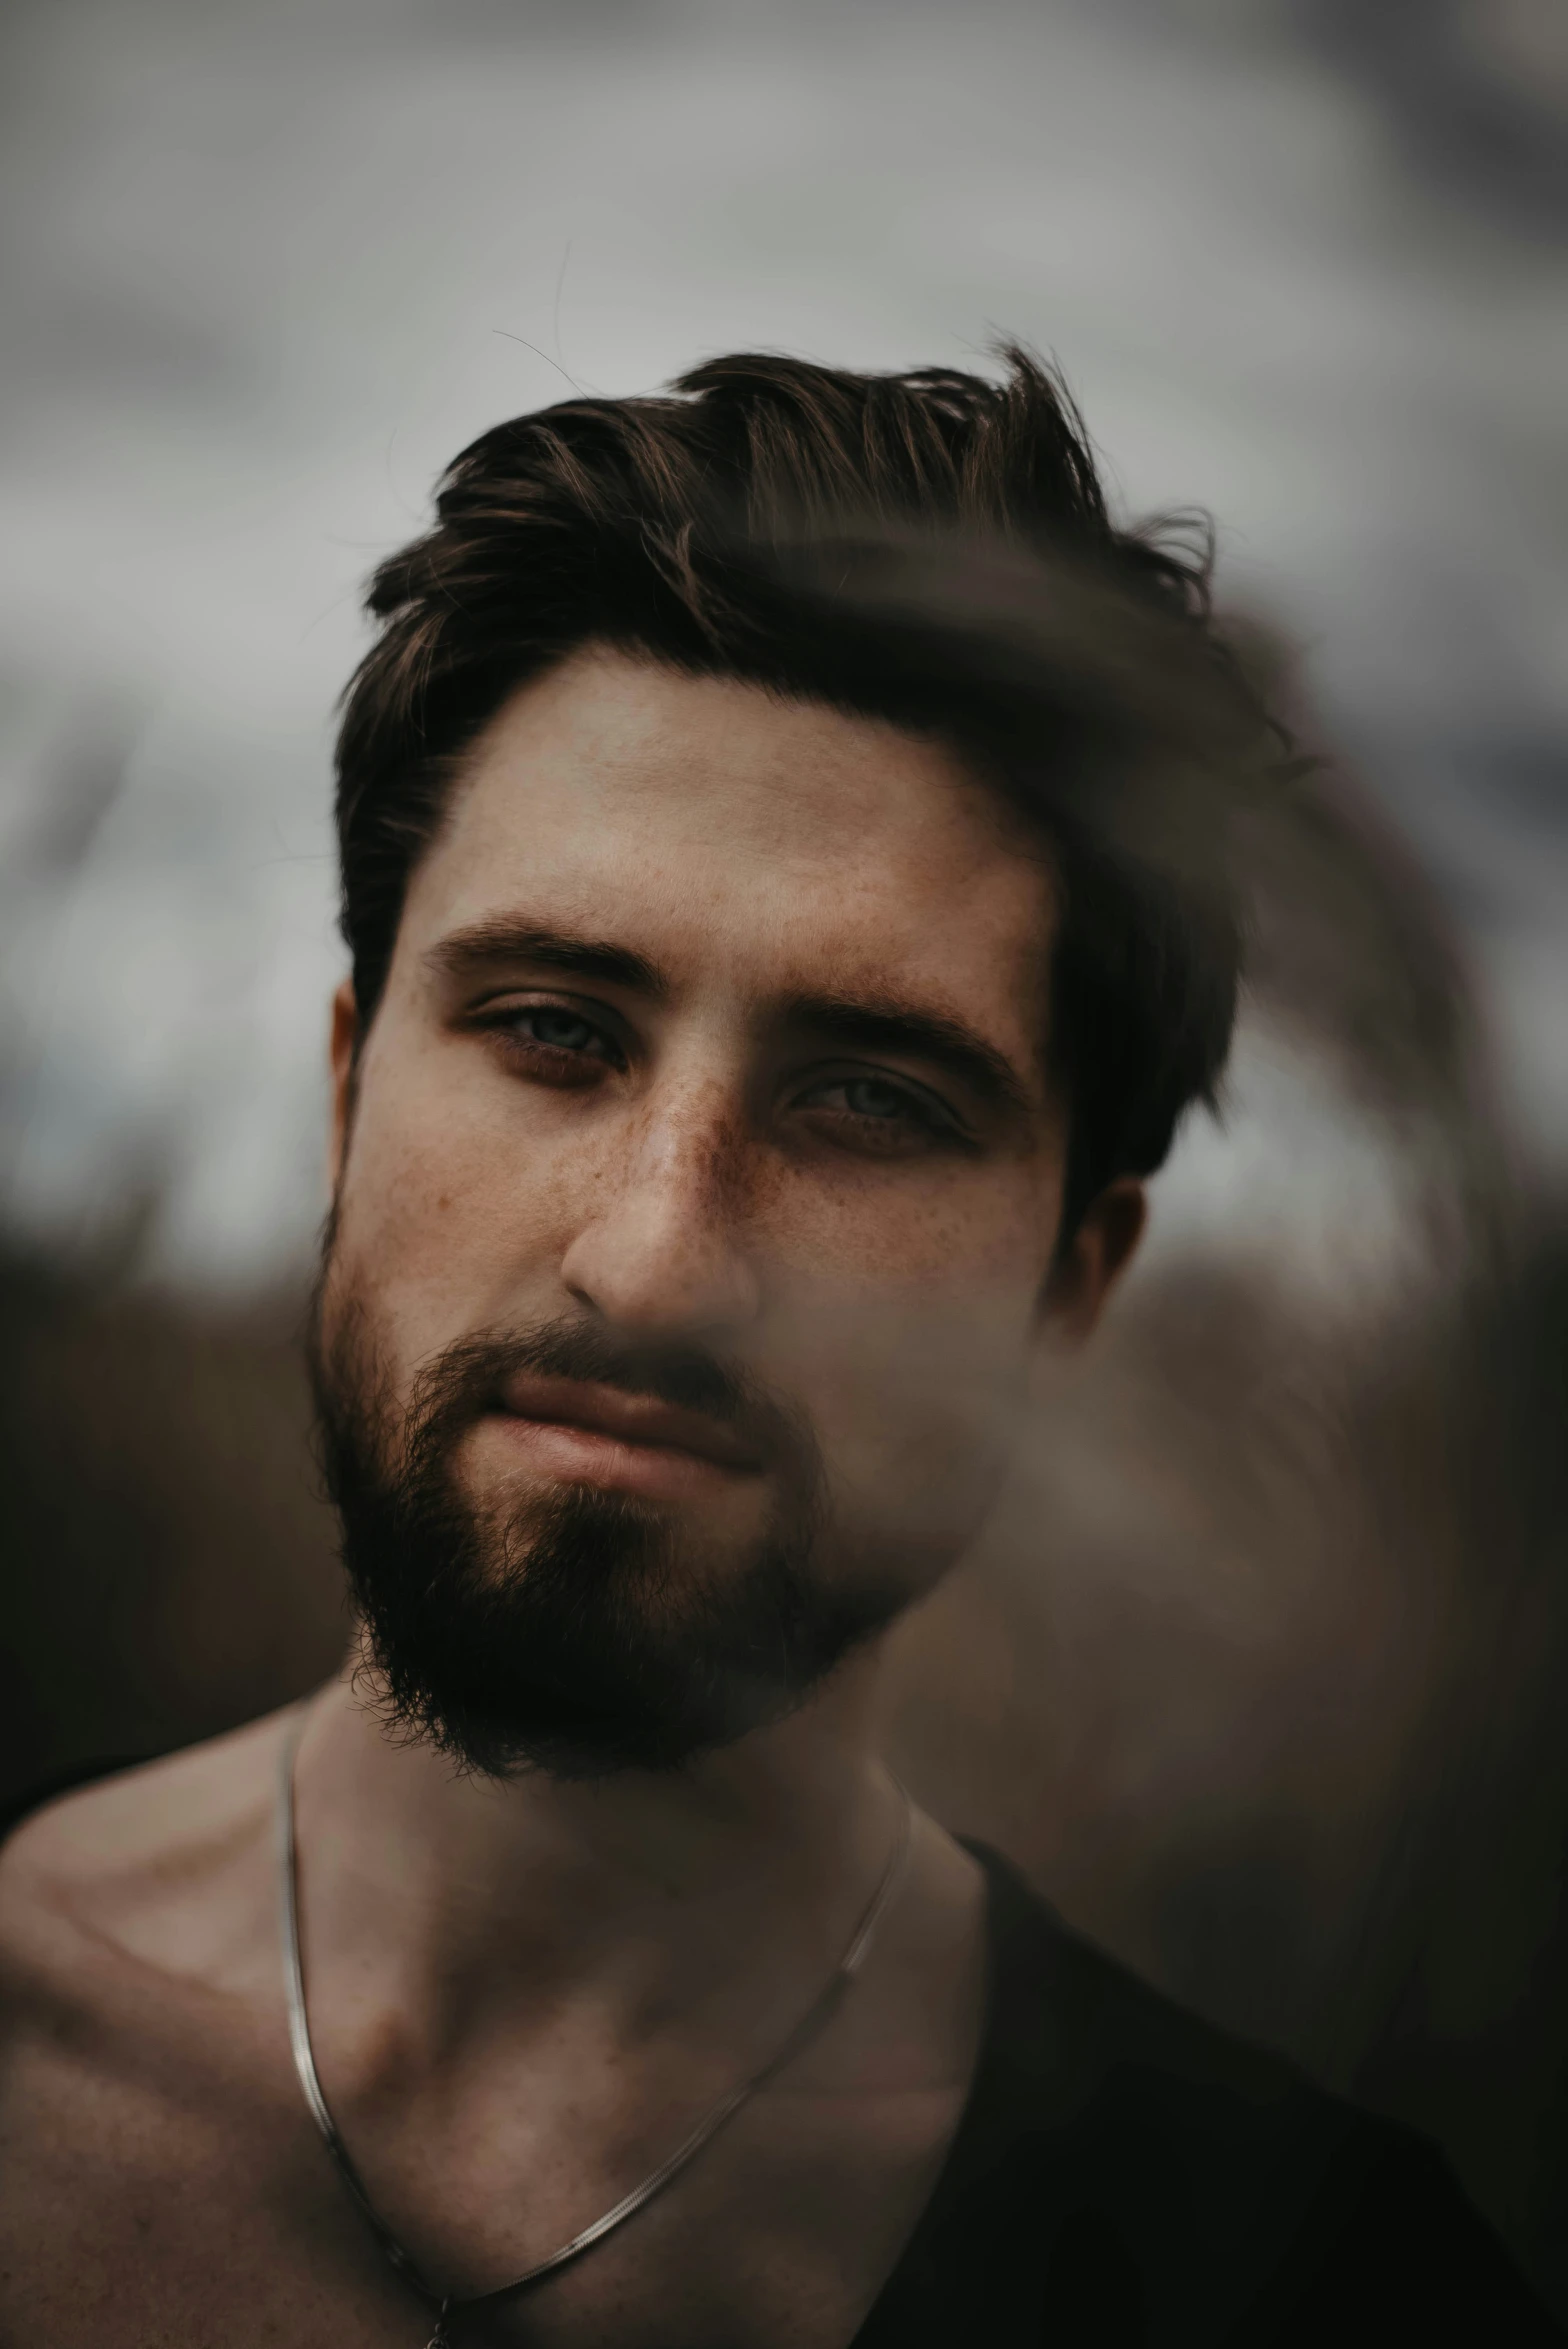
pixel 485 944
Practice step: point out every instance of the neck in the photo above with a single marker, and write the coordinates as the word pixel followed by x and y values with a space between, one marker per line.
pixel 790 1822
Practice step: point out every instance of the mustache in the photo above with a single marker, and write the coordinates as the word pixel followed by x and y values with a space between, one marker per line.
pixel 470 1378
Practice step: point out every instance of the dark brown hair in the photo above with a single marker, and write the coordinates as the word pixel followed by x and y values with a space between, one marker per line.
pixel 931 548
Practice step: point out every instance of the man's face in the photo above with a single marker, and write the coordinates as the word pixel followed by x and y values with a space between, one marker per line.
pixel 695 1215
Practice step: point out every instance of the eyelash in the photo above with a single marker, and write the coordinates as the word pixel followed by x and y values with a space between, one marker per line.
pixel 509 1022
pixel 916 1111
pixel 913 1110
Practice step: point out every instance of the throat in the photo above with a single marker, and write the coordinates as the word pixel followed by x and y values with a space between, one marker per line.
pixel 646 1890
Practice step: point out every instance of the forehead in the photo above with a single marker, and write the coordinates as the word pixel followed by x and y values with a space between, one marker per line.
pixel 727 832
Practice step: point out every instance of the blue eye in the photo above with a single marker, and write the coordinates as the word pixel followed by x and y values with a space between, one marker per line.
pixel 872 1097
pixel 565 1031
pixel 551 1042
pixel 879 1115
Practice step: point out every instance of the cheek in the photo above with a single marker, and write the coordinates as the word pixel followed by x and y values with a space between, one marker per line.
pixel 445 1208
pixel 915 1457
pixel 915 1342
pixel 959 1244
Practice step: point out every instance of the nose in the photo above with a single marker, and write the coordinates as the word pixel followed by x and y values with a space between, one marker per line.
pixel 662 1251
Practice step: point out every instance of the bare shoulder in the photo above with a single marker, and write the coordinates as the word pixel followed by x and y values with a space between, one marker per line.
pixel 152 1872
pixel 145 2101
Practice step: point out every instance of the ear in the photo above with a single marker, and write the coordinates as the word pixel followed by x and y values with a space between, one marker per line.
pixel 344 1056
pixel 1099 1252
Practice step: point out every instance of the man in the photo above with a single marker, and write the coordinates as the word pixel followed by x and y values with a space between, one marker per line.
pixel 783 834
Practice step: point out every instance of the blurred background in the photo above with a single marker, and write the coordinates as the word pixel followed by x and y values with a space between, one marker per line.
pixel 1262 1669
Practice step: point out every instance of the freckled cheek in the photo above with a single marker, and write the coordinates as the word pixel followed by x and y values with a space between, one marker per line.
pixel 453 1213
pixel 947 1249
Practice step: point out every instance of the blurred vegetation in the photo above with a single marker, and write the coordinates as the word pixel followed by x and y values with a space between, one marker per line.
pixel 168 1566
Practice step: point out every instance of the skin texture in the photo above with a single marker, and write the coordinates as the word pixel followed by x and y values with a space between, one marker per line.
pixel 524 1993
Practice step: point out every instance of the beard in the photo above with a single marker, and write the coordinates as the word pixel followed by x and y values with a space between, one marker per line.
pixel 573 1631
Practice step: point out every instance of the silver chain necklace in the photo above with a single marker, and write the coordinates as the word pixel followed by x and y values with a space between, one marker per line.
pixel 449 2307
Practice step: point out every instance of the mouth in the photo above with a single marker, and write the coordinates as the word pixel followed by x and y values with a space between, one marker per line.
pixel 580 1433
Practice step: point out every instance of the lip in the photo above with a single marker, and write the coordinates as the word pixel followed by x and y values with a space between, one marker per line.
pixel 587 1434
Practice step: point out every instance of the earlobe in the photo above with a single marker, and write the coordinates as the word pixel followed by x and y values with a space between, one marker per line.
pixel 344 1055
pixel 1102 1247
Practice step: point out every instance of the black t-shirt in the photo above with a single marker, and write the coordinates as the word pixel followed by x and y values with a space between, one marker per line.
pixel 1126 2177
